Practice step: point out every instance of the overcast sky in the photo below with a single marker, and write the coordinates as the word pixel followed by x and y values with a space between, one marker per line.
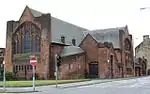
pixel 90 14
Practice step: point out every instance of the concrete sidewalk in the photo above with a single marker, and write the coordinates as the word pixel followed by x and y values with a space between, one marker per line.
pixel 69 85
pixel 97 81
pixel 60 86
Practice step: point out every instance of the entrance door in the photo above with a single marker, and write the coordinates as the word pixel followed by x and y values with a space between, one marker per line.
pixel 93 70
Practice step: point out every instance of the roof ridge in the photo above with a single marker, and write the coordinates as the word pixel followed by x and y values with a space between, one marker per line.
pixel 110 28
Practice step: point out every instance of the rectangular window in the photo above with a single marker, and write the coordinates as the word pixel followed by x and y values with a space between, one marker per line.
pixel 22 67
pixel 19 67
pixel 28 67
pixel 16 68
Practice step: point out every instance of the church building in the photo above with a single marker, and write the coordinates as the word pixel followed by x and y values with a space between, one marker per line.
pixel 84 53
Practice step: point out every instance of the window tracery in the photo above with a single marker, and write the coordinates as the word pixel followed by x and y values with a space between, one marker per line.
pixel 26 38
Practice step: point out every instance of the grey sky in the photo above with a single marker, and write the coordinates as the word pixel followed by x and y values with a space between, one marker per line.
pixel 90 14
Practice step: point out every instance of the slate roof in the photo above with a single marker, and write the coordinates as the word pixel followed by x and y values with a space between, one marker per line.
pixel 35 13
pixel 71 50
pixel 62 28
pixel 107 35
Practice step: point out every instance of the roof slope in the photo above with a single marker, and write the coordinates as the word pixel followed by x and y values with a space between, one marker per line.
pixel 62 28
pixel 35 13
pixel 107 35
pixel 71 50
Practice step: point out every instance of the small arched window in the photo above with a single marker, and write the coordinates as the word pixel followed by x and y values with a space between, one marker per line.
pixel 63 39
pixel 74 42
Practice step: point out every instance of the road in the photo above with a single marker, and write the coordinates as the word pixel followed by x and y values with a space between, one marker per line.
pixel 132 86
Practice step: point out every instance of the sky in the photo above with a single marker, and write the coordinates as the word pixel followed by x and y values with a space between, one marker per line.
pixel 90 14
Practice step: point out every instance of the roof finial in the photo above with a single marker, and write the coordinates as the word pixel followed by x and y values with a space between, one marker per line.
pixel 27 6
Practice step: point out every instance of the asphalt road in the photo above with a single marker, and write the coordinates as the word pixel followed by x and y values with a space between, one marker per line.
pixel 132 86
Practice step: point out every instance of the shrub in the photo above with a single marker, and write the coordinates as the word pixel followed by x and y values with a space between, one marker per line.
pixel 9 76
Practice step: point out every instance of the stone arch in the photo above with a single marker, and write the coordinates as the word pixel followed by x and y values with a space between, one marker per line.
pixel 144 67
pixel 127 44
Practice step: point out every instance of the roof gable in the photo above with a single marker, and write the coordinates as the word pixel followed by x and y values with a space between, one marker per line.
pixel 88 35
pixel 71 50
pixel 58 27
pixel 26 15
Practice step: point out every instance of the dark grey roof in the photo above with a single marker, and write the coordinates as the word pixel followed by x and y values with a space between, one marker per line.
pixel 107 35
pixel 69 31
pixel 71 50
pixel 62 28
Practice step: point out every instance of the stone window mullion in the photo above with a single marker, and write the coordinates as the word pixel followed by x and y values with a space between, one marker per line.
pixel 30 32
pixel 34 39
pixel 22 34
pixel 19 41
pixel 16 46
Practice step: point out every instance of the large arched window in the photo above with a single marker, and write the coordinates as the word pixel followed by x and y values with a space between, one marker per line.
pixel 29 40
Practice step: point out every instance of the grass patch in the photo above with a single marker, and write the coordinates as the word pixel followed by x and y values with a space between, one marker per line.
pixel 39 82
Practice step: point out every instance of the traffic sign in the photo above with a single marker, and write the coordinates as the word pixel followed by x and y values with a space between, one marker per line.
pixel 33 60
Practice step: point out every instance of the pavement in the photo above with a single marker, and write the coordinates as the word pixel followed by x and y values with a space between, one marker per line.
pixel 126 86
pixel 60 86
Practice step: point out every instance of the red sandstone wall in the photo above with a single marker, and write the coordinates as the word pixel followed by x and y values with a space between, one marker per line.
pixel 73 67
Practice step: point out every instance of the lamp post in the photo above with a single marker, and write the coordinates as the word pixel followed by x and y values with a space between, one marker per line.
pixel 56 70
pixel 143 8
pixel 4 77
pixel 108 66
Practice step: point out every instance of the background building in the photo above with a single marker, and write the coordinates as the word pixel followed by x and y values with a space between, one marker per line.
pixel 140 66
pixel 143 50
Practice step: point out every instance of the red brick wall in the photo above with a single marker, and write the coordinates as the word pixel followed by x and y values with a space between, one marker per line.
pixel 73 67
pixel 104 56
pixel 89 45
pixel 44 24
pixel 55 49
pixel 8 51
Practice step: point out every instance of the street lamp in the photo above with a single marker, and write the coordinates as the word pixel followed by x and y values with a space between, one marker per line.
pixel 4 77
pixel 143 8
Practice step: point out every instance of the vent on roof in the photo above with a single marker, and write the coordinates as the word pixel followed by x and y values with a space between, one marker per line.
pixel 108 44
pixel 63 39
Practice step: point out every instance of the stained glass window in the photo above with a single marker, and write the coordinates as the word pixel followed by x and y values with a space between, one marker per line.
pixel 37 44
pixel 27 41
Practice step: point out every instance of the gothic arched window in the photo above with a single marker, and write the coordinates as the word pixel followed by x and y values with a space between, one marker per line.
pixel 28 38
pixel 127 45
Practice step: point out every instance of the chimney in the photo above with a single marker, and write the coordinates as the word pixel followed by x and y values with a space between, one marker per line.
pixel 145 37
